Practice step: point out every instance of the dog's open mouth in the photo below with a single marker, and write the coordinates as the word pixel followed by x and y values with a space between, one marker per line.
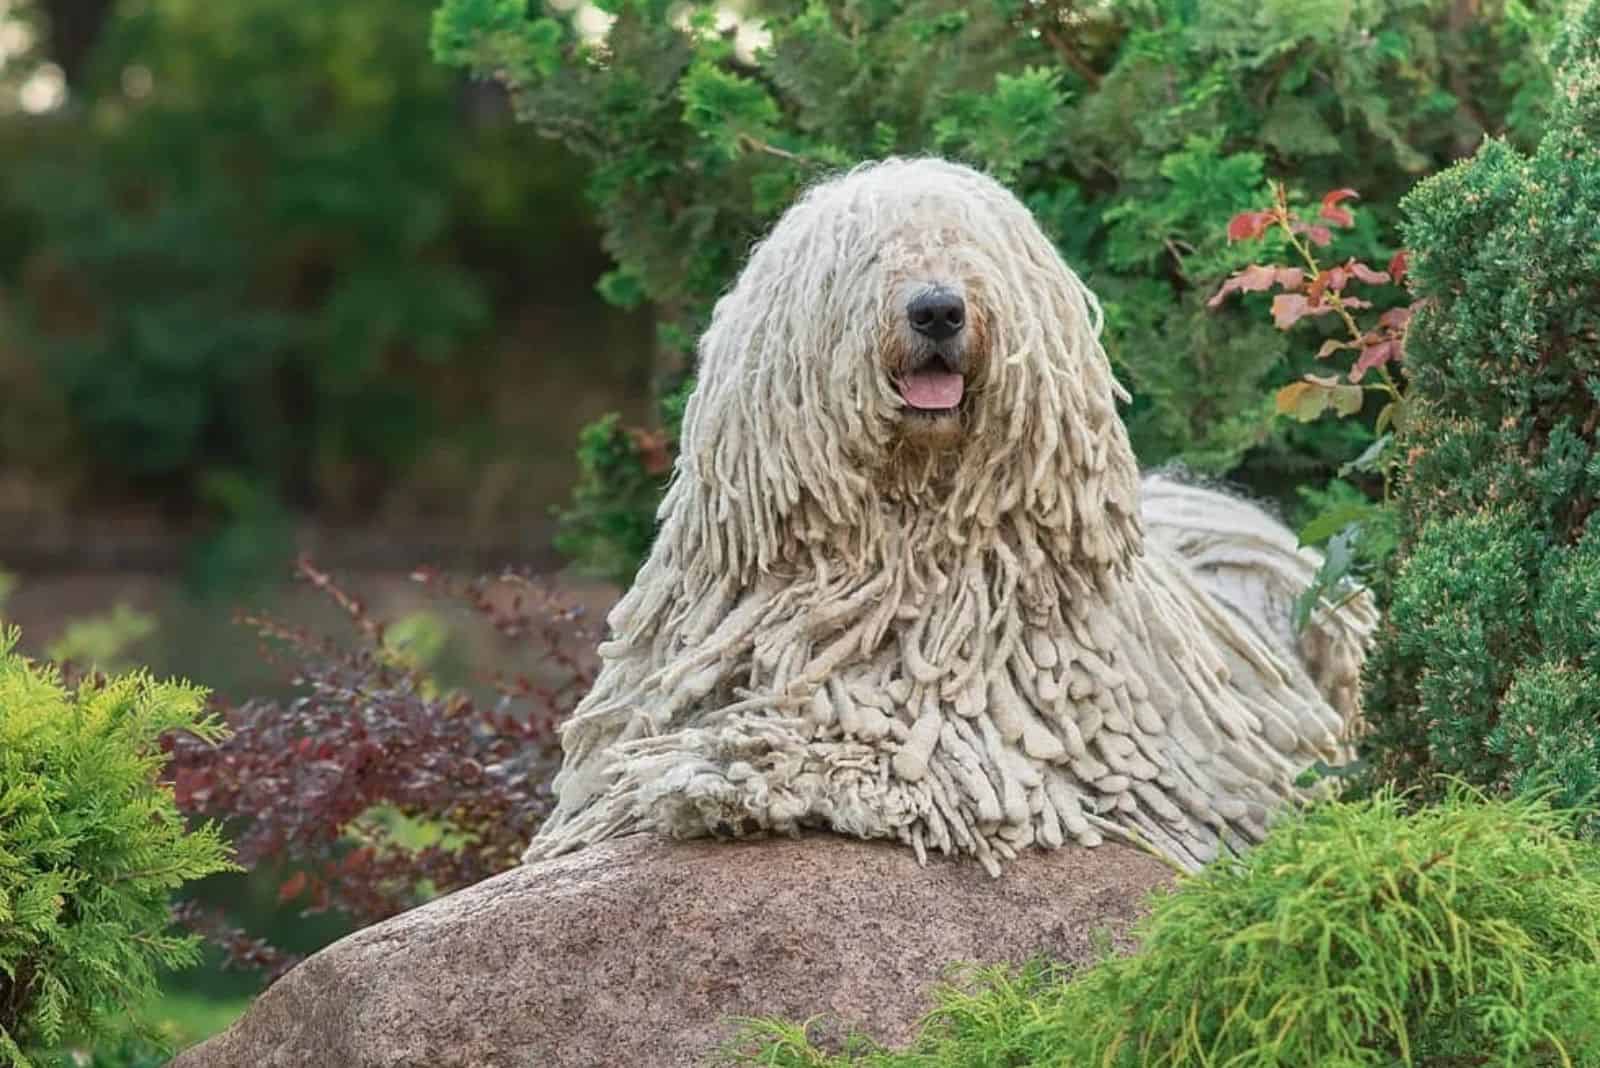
pixel 932 389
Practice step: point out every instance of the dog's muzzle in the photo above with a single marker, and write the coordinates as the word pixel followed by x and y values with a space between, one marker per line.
pixel 935 384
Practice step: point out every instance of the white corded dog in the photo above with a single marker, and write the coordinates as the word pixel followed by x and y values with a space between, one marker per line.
pixel 907 583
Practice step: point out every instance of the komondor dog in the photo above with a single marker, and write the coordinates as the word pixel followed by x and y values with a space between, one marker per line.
pixel 905 585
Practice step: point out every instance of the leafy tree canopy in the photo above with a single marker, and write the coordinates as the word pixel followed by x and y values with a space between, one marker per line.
pixel 1130 127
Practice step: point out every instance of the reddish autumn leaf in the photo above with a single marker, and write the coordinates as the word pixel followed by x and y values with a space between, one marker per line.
pixel 1331 210
pixel 292 887
pixel 1366 274
pixel 1398 264
pixel 1258 279
pixel 1330 280
pixel 1374 356
pixel 655 451
pixel 1248 224
pixel 1290 308
pixel 1251 279
pixel 1318 235
pixel 358 860
pixel 1397 319
pixel 239 947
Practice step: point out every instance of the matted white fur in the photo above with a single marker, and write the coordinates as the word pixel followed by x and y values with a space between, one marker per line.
pixel 963 640
pixel 1254 564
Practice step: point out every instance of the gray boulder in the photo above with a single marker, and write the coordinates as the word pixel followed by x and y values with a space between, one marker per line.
pixel 636 952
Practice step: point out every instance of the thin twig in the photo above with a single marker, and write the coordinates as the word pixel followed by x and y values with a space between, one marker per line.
pixel 1070 56
pixel 758 145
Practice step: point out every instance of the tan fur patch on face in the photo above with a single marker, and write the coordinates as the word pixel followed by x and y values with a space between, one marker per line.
pixel 923 431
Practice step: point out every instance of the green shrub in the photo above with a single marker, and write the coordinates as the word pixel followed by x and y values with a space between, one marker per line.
pixel 91 847
pixel 1485 667
pixel 1356 935
pixel 611 521
pixel 1131 128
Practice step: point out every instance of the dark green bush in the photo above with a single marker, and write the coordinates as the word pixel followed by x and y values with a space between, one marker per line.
pixel 1486 665
pixel 1131 128
pixel 1356 935
pixel 91 848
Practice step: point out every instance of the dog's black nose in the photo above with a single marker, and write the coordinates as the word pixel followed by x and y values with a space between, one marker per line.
pixel 937 314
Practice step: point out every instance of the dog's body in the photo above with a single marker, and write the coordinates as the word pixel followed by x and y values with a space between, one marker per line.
pixel 908 584
pixel 1252 563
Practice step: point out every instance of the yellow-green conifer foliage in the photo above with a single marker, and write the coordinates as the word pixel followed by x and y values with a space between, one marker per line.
pixel 91 848
pixel 1358 935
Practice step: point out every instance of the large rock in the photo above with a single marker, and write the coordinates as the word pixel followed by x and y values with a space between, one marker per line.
pixel 636 952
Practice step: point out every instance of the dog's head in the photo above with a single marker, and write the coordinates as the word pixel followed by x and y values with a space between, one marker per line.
pixel 909 314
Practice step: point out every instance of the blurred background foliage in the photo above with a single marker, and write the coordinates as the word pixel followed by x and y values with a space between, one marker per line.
pixel 265 259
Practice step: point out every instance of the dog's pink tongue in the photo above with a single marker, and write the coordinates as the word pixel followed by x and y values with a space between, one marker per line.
pixel 931 389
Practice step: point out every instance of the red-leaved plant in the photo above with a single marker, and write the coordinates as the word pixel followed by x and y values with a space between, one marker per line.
pixel 1356 535
pixel 375 786
pixel 1311 290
